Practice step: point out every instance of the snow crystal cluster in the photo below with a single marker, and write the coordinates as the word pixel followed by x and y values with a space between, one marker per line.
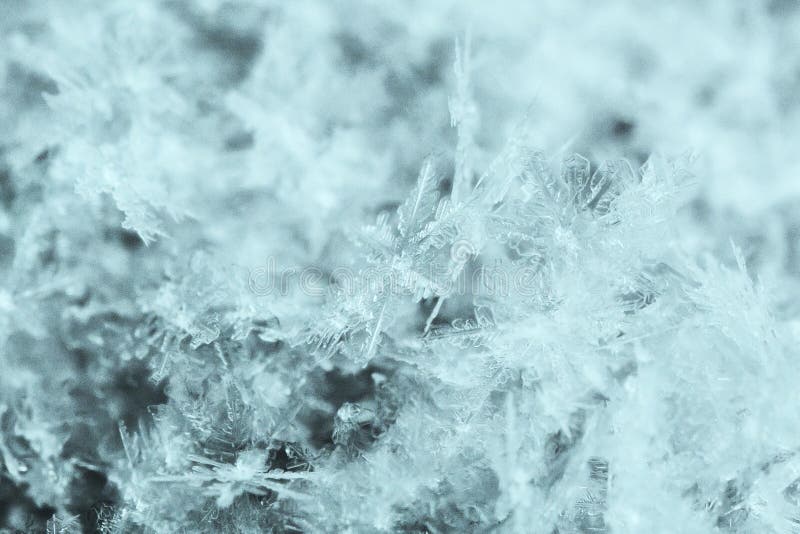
pixel 355 266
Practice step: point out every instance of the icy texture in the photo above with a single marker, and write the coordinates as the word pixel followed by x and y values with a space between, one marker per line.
pixel 441 266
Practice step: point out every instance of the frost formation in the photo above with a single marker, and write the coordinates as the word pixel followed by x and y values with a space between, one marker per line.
pixel 422 267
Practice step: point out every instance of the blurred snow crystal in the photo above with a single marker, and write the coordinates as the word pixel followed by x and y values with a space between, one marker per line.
pixel 419 266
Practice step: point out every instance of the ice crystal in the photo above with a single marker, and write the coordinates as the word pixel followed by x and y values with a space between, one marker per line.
pixel 425 267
